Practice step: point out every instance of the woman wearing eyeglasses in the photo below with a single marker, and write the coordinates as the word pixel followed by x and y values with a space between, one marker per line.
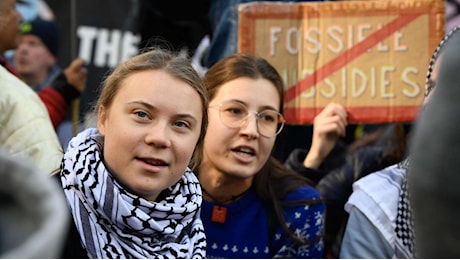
pixel 253 206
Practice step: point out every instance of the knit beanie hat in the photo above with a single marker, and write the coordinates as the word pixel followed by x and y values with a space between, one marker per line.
pixel 47 31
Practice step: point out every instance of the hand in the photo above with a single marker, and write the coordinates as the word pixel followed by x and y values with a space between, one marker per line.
pixel 76 74
pixel 328 126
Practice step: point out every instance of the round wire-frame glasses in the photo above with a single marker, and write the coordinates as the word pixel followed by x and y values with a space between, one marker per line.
pixel 234 114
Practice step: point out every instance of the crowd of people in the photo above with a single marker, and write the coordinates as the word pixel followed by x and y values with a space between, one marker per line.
pixel 176 164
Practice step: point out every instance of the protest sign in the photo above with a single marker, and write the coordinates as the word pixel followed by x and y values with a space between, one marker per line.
pixel 371 56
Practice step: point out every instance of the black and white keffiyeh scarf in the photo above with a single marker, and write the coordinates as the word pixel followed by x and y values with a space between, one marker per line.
pixel 114 223
pixel 404 229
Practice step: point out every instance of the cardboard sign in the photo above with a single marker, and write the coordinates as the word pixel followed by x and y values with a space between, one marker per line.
pixel 371 56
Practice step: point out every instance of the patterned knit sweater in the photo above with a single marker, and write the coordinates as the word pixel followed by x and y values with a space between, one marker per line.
pixel 245 232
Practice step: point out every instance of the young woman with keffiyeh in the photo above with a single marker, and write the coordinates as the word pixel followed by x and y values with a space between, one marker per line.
pixel 127 181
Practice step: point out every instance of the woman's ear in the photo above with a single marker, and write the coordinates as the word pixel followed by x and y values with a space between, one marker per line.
pixel 101 117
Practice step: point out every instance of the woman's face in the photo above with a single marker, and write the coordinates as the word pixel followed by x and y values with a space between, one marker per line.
pixel 151 130
pixel 241 151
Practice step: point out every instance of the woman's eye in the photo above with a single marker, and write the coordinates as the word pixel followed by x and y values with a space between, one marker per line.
pixel 236 111
pixel 141 114
pixel 267 118
pixel 181 124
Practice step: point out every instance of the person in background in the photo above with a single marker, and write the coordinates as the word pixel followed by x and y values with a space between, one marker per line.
pixel 35 58
pixel 35 62
pixel 253 206
pixel 433 172
pixel 127 182
pixel 25 126
pixel 380 223
pixel 333 167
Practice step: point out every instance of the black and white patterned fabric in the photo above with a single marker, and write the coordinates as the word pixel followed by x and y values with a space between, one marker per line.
pixel 404 219
pixel 114 223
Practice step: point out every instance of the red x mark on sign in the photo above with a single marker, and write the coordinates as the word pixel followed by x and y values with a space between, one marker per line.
pixel 347 56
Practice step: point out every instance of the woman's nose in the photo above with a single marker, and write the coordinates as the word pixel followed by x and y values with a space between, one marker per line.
pixel 249 126
pixel 158 135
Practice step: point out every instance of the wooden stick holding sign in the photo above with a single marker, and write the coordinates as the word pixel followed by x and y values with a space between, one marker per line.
pixel 73 43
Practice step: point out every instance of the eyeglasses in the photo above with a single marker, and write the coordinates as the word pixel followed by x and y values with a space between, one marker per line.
pixel 234 114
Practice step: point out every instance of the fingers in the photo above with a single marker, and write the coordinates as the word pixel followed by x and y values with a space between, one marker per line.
pixel 76 74
pixel 334 109
pixel 331 120
pixel 332 125
pixel 77 64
